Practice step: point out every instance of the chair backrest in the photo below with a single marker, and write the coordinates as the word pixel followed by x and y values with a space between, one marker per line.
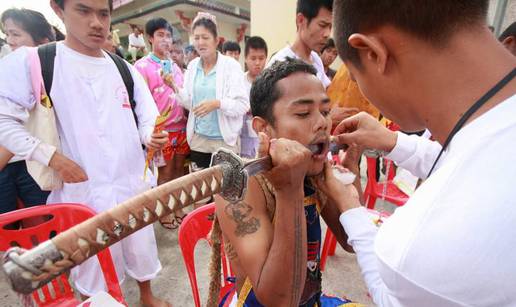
pixel 371 169
pixel 59 217
pixel 197 226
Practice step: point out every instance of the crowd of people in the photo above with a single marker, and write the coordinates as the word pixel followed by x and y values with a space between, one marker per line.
pixel 420 64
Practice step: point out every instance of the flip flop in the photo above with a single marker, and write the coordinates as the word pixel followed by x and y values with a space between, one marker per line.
pixel 179 219
pixel 170 225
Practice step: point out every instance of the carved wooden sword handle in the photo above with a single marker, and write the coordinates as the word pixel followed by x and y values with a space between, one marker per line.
pixel 36 267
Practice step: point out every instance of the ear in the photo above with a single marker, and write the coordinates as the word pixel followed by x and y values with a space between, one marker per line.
pixel 509 41
pixel 261 125
pixel 375 50
pixel 300 20
pixel 57 9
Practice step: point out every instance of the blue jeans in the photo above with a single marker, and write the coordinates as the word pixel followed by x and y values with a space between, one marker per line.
pixel 16 182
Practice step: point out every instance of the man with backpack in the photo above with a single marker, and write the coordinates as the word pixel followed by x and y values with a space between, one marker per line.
pixel 104 113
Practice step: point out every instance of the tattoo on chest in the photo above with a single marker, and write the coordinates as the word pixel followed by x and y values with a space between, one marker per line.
pixel 240 212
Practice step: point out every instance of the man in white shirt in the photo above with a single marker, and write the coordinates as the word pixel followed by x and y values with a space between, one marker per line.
pixel 255 57
pixel 101 163
pixel 136 43
pixel 313 21
pixel 452 243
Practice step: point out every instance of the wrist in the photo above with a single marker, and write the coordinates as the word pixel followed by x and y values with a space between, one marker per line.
pixel 391 140
pixel 289 191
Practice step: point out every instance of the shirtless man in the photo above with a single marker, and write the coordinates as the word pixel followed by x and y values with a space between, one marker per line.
pixel 273 236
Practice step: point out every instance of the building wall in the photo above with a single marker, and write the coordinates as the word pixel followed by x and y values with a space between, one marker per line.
pixel 275 21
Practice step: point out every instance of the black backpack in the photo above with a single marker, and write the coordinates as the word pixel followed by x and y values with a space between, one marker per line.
pixel 47 55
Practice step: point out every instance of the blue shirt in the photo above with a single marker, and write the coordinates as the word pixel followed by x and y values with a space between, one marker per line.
pixel 205 88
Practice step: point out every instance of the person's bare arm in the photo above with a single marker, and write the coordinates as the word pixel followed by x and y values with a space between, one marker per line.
pixel 269 253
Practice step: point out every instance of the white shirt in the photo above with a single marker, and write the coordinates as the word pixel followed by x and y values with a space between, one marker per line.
pixel 453 243
pixel 94 121
pixel 136 41
pixel 230 91
pixel 316 62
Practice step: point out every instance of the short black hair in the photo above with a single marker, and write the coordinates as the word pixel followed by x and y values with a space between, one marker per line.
pixel 329 44
pixel 431 21
pixel 255 42
pixel 156 24
pixel 510 31
pixel 31 22
pixel 208 24
pixel 61 4
pixel 231 46
pixel 310 8
pixel 265 92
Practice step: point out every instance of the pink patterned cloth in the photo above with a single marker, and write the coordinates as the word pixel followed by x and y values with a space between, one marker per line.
pixel 162 94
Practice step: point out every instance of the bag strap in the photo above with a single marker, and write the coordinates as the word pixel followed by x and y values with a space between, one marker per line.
pixel 47 55
pixel 128 81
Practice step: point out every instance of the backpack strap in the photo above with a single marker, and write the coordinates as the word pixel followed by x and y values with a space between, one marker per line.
pixel 128 81
pixel 47 55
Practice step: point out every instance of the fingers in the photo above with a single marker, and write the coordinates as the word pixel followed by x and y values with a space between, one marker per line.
pixel 288 153
pixel 347 125
pixel 73 174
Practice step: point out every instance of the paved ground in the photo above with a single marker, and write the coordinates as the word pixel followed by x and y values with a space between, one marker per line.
pixel 341 277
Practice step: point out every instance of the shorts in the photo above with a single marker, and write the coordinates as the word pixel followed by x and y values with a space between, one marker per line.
pixel 177 144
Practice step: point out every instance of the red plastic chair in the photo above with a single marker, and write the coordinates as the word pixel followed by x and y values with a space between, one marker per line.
pixel 330 241
pixel 61 217
pixel 197 226
pixel 375 189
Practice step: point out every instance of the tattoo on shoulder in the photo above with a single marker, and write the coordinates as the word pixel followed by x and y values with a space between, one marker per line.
pixel 240 212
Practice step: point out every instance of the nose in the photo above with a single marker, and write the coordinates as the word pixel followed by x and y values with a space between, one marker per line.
pixel 95 23
pixel 321 122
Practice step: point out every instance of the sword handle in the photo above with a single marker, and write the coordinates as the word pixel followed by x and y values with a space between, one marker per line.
pixel 34 268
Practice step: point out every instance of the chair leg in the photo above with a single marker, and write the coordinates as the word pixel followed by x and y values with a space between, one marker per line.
pixel 333 246
pixel 325 248
pixel 371 201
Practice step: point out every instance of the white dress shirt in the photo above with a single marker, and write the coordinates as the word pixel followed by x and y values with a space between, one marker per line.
pixel 453 243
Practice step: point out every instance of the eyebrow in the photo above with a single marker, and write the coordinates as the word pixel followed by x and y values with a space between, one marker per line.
pixel 305 101
pixel 85 7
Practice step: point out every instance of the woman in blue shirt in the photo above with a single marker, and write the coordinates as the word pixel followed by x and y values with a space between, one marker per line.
pixel 215 94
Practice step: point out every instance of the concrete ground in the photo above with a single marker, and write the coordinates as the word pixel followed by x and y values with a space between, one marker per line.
pixel 340 278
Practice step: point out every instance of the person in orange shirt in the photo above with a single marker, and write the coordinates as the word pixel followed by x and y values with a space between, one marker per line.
pixel 346 98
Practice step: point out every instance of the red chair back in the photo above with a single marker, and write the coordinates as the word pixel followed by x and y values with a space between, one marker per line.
pixel 197 226
pixel 59 217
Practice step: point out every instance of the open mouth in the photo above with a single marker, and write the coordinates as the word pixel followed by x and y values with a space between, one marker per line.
pixel 319 148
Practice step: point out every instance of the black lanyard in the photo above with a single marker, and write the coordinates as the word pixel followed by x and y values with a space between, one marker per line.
pixel 474 108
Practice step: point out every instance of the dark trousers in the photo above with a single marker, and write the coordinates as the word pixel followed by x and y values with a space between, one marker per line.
pixel 16 182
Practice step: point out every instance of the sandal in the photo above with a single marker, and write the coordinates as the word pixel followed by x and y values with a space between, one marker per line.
pixel 170 225
pixel 179 219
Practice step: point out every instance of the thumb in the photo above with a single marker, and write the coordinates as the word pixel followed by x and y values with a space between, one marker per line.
pixel 263 145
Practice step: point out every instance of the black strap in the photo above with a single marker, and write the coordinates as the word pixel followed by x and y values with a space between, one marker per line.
pixel 128 81
pixel 47 55
pixel 474 108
